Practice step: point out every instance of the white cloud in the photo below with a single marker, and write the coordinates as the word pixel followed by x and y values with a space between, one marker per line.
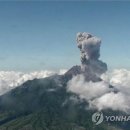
pixel 100 95
pixel 11 79
pixel 119 78
pixel 87 90
pixel 114 101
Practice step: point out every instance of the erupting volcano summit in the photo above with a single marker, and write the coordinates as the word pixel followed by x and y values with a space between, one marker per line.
pixel 91 67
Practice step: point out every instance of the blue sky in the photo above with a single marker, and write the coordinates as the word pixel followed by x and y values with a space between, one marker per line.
pixel 41 35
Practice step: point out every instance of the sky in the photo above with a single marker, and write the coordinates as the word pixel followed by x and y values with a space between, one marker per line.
pixel 42 35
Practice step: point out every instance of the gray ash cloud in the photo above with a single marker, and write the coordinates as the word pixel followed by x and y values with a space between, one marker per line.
pixel 89 46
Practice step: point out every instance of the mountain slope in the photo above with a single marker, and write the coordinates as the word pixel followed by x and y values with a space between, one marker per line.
pixel 45 104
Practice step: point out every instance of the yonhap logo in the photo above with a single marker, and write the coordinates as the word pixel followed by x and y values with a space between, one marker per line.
pixel 97 118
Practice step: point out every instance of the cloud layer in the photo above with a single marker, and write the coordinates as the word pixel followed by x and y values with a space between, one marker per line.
pixel 11 79
pixel 100 95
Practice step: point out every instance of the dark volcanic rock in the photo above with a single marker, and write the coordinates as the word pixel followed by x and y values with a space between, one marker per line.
pixel 75 70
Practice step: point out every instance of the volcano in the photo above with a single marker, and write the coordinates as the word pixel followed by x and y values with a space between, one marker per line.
pixel 45 104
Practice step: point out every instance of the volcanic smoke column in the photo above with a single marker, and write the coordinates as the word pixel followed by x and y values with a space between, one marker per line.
pixel 89 46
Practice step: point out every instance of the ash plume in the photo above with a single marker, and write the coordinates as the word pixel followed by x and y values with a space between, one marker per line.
pixel 89 46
